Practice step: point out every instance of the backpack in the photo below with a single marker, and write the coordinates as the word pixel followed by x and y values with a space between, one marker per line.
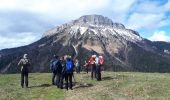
pixel 69 66
pixel 101 60
pixel 54 65
pixel 25 62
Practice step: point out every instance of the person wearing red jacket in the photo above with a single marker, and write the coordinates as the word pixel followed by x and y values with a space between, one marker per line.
pixel 93 66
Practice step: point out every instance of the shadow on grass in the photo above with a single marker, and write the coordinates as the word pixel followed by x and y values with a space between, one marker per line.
pixel 82 85
pixel 107 78
pixel 42 85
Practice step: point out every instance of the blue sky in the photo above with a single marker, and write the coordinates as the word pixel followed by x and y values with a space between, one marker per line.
pixel 24 21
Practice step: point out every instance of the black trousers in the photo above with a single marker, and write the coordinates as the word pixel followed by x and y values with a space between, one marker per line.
pixel 87 69
pixel 93 71
pixel 98 72
pixel 24 77
pixel 69 80
pixel 63 76
pixel 78 69
pixel 56 77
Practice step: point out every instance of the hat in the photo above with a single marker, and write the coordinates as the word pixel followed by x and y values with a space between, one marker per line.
pixel 100 56
pixel 93 56
pixel 25 56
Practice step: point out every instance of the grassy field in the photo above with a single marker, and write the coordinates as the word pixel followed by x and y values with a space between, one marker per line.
pixel 114 86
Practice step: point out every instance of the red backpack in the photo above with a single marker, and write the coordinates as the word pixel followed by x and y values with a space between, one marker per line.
pixel 101 60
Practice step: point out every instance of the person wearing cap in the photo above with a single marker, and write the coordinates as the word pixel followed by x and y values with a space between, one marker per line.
pixel 24 63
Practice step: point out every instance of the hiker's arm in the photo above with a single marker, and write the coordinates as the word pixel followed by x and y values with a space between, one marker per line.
pixel 20 62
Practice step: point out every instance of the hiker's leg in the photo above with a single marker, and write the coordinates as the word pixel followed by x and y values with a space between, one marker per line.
pixel 91 74
pixel 56 79
pixel 70 80
pixel 26 79
pixel 87 69
pixel 61 81
pixel 95 75
pixel 22 79
pixel 76 69
pixel 66 78
pixel 99 72
pixel 53 78
pixel 79 69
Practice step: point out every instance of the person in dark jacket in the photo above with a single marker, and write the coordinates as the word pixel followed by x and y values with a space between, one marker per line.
pixel 56 68
pixel 24 63
pixel 69 72
pixel 86 65
pixel 63 72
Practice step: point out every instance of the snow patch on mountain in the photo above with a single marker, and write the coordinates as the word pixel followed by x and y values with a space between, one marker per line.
pixel 96 25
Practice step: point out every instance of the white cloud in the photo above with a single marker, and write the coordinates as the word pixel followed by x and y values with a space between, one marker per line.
pixel 167 5
pixel 149 15
pixel 66 10
pixel 55 8
pixel 19 39
pixel 144 20
pixel 155 7
pixel 160 36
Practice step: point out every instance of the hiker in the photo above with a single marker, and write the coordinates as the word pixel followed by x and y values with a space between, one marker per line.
pixel 56 67
pixel 63 72
pixel 77 65
pixel 24 63
pixel 69 72
pixel 93 66
pixel 86 66
pixel 98 69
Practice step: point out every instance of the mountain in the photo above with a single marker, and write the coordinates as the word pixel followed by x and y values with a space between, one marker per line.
pixel 122 48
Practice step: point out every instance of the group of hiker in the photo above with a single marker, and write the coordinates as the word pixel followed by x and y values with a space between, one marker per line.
pixel 62 69
pixel 95 63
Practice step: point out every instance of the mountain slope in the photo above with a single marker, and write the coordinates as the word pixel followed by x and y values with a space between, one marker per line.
pixel 123 49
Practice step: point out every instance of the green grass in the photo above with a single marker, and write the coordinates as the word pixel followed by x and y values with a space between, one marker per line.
pixel 114 86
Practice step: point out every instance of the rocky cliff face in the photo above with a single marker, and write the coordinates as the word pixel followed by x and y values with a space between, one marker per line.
pixel 123 49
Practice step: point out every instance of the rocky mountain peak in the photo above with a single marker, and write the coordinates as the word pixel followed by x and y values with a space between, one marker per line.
pixel 97 20
pixel 87 21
